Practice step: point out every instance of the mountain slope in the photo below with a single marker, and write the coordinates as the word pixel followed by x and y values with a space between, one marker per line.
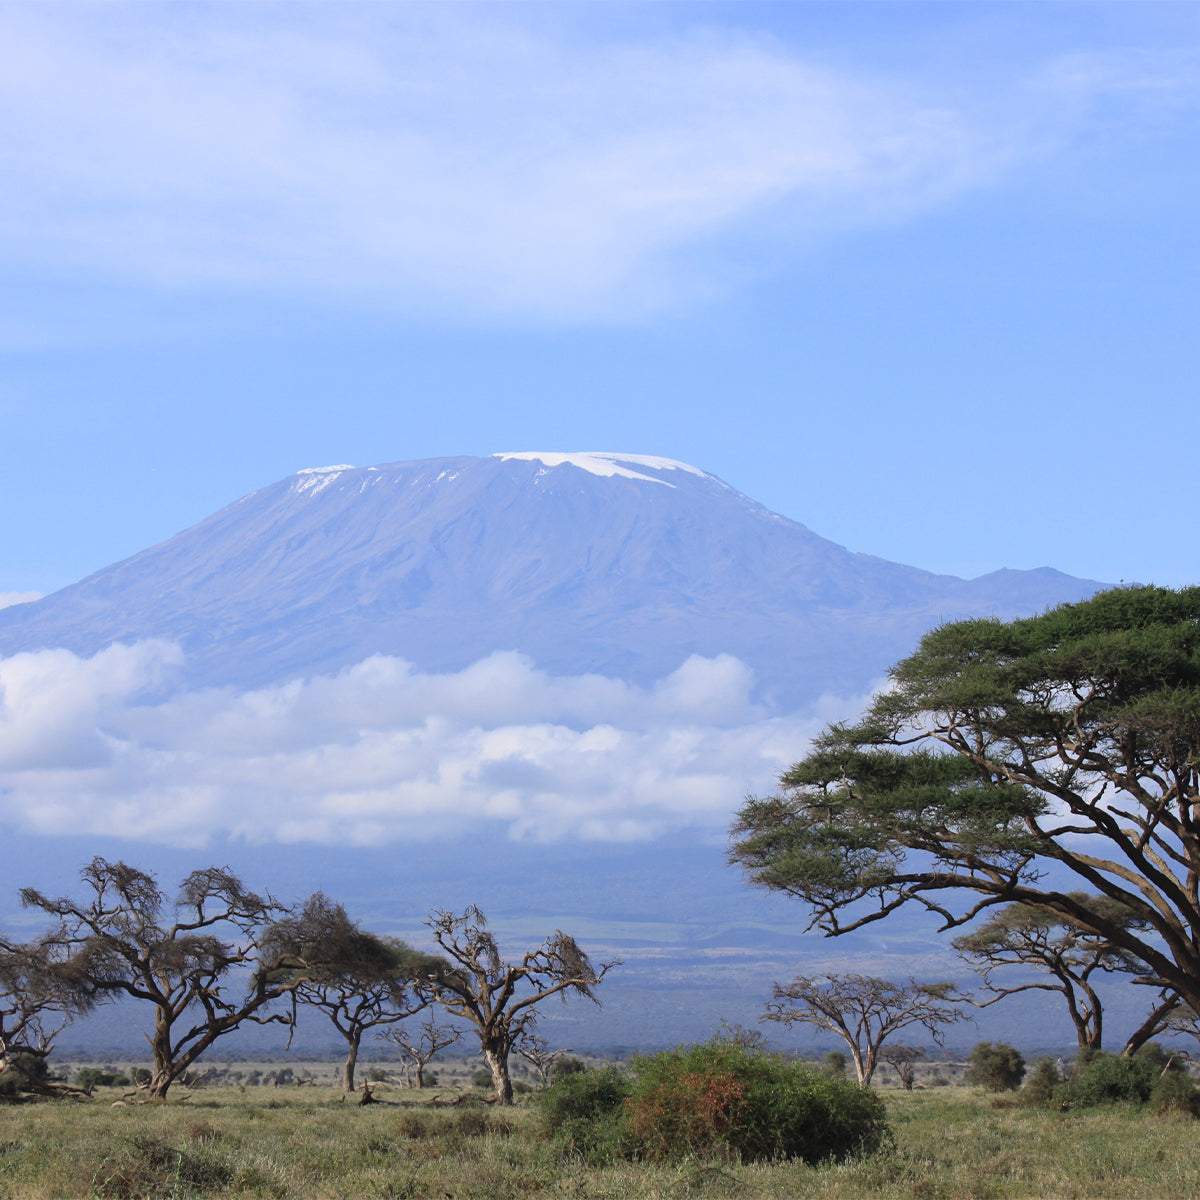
pixel 614 564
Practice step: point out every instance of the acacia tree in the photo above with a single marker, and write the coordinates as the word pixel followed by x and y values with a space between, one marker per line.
pixel 540 1055
pixel 498 997
pixel 903 1060
pixel 418 1052
pixel 1025 935
pixel 373 981
pixel 1007 758
pixel 39 997
pixel 124 939
pixel 864 1011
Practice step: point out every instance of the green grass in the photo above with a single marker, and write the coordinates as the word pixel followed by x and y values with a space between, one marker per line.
pixel 306 1142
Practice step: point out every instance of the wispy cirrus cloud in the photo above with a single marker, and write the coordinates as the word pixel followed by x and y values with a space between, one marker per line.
pixel 457 155
pixel 381 751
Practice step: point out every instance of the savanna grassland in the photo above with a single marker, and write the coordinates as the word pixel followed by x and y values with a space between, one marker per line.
pixel 950 1142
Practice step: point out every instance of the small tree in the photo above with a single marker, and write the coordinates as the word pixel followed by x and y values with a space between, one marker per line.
pixel 420 1050
pixel 122 941
pixel 834 1063
pixel 376 981
pixel 540 1055
pixel 996 1067
pixel 864 1011
pixel 498 997
pixel 39 997
pixel 903 1060
pixel 1070 954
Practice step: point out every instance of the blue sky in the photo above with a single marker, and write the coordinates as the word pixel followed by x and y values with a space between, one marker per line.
pixel 923 277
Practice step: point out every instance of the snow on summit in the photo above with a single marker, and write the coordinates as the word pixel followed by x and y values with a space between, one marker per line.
pixel 599 462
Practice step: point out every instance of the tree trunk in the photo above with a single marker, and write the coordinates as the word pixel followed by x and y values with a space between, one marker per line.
pixel 496 1057
pixel 163 1070
pixel 420 1072
pixel 351 1062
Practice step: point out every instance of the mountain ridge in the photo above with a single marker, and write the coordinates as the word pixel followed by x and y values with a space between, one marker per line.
pixel 583 561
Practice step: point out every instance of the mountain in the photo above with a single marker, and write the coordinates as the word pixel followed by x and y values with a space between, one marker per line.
pixel 599 822
pixel 620 565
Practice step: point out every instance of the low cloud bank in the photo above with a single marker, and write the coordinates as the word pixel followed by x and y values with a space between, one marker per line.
pixel 383 752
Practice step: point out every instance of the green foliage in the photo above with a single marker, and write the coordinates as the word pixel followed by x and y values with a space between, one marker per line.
pixel 1108 1079
pixel 585 1112
pixel 1038 1091
pixel 24 1072
pixel 997 762
pixel 1160 1058
pixel 834 1063
pixel 719 1098
pixel 483 1079
pixel 567 1065
pixel 94 1077
pixel 1175 1092
pixel 144 1166
pixel 996 1067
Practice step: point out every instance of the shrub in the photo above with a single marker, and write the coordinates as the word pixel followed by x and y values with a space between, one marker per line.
pixel 483 1079
pixel 585 1113
pixel 996 1067
pixel 1175 1092
pixel 1162 1060
pixel 1040 1087
pixel 1108 1079
pixel 94 1077
pixel 834 1063
pixel 567 1065
pixel 25 1072
pixel 723 1098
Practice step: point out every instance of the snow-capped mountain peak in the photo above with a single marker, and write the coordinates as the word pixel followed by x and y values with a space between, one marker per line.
pixel 603 463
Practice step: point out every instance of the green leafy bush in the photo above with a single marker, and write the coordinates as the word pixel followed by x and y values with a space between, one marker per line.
pixel 585 1114
pixel 25 1072
pixel 94 1077
pixel 834 1063
pixel 567 1065
pixel 1038 1091
pixel 996 1067
pixel 1175 1092
pixel 1108 1079
pixel 722 1098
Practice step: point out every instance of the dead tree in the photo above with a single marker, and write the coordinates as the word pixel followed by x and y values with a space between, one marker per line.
pixel 419 1052
pixel 498 997
pixel 538 1052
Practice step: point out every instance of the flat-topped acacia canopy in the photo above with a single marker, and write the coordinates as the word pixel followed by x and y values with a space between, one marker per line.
pixel 1003 753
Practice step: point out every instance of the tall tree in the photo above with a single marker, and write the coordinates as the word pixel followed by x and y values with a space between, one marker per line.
pixel 1008 763
pixel 1024 935
pixel 864 1011
pixel 497 997
pixel 373 981
pixel 125 939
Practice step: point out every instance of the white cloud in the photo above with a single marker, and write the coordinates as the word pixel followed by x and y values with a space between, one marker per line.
pixel 381 751
pixel 426 152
